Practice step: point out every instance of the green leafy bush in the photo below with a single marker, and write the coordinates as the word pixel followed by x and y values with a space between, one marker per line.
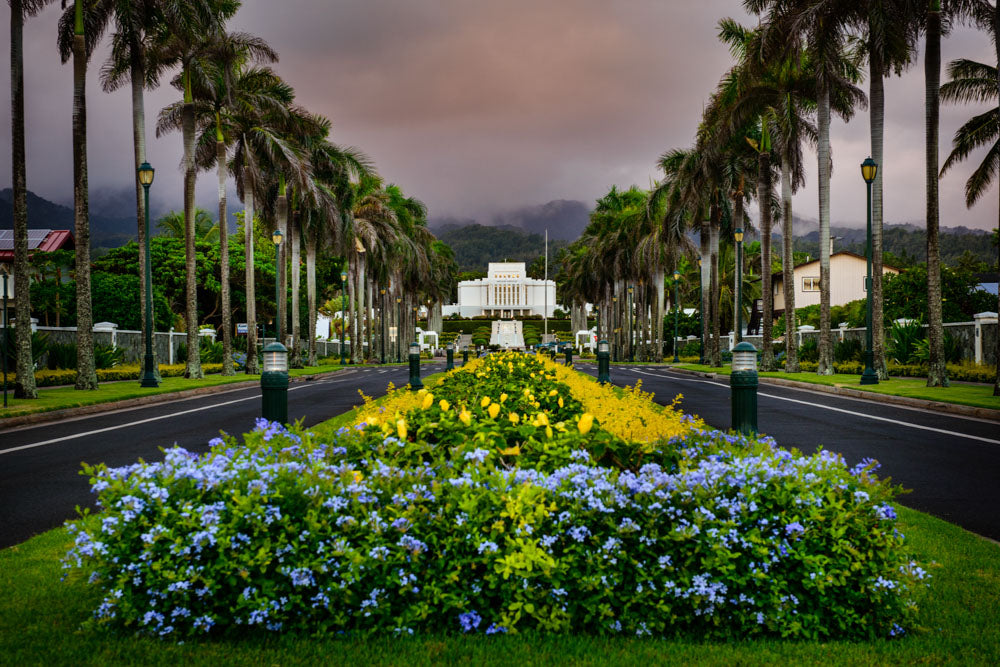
pixel 39 346
pixel 849 349
pixel 106 356
pixel 809 350
pixel 431 520
pixel 61 355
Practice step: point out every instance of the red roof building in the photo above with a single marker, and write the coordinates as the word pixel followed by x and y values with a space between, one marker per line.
pixel 39 240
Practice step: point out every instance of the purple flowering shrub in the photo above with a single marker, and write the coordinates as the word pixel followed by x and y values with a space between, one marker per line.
pixel 358 531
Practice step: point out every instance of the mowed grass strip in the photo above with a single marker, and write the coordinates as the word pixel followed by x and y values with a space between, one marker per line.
pixel 58 398
pixel 41 621
pixel 976 395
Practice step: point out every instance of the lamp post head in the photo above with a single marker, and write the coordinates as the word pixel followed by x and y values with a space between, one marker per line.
pixel 677 275
pixel 738 235
pixel 382 291
pixel 868 169
pixel 399 300
pixel 343 276
pixel 146 172
pixel 276 358
pixel 277 237
pixel 744 357
pixel 630 289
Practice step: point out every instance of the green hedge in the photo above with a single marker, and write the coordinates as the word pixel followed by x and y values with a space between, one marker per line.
pixel 57 378
pixel 958 372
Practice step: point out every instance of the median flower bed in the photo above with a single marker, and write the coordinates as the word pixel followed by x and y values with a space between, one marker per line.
pixel 497 502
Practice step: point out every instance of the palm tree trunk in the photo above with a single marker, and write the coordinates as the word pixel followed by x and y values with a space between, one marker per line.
pixel 251 292
pixel 877 115
pixel 193 370
pixel 767 298
pixel 996 45
pixel 936 371
pixel 137 79
pixel 370 319
pixel 714 287
pixel 658 317
pixel 825 366
pixel 362 308
pixel 706 281
pixel 281 215
pixel 787 262
pixel 25 383
pixel 296 351
pixel 86 375
pixel 311 289
pixel 227 316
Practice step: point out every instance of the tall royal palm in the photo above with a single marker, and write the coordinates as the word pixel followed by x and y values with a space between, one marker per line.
pixel 974 82
pixel 19 10
pixel 189 32
pixel 223 83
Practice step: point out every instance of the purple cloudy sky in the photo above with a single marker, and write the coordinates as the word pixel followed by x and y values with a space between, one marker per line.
pixel 476 107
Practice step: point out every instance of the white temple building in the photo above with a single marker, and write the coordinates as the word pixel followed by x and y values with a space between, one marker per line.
pixel 505 292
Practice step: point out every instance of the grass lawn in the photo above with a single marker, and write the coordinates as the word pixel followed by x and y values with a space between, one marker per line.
pixel 41 617
pixel 57 398
pixel 978 395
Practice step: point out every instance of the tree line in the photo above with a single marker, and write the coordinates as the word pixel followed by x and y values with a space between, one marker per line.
pixel 801 63
pixel 238 117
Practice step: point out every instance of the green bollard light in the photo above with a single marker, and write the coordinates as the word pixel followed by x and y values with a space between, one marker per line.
pixel 743 388
pixel 450 366
pixel 603 362
pixel 415 382
pixel 569 357
pixel 465 355
pixel 274 384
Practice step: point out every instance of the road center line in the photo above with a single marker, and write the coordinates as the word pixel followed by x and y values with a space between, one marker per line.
pixel 829 407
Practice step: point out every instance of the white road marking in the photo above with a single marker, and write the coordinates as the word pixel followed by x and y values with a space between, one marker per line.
pixel 153 419
pixel 849 412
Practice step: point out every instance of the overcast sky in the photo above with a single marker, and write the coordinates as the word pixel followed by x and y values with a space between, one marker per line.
pixel 476 106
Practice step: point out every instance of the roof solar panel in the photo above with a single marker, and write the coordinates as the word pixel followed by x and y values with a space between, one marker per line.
pixel 35 238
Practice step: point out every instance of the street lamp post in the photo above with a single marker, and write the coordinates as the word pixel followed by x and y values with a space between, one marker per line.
pixel 382 310
pixel 868 170
pixel 276 238
pixel 677 277
pixel 415 309
pixel 738 235
pixel 148 370
pixel 343 324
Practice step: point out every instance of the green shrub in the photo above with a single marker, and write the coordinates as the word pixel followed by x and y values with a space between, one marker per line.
pixel 39 346
pixel 61 355
pixel 809 350
pixel 106 356
pixel 849 349
pixel 432 521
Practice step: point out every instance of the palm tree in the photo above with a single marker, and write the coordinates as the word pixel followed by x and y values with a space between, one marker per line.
pixel 889 34
pixel 86 373
pixel 821 28
pixel 225 82
pixel 974 82
pixel 172 226
pixel 190 32
pixel 19 10
pixel 129 62
pixel 936 369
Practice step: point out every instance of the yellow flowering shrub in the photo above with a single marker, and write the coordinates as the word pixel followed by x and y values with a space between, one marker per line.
pixel 632 414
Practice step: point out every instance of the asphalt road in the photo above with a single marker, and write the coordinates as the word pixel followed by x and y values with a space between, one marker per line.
pixel 950 464
pixel 40 481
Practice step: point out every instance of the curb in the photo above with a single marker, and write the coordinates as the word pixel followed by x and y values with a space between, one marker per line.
pixel 110 406
pixel 905 401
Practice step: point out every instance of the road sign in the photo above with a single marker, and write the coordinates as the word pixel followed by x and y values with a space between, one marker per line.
pixel 242 329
